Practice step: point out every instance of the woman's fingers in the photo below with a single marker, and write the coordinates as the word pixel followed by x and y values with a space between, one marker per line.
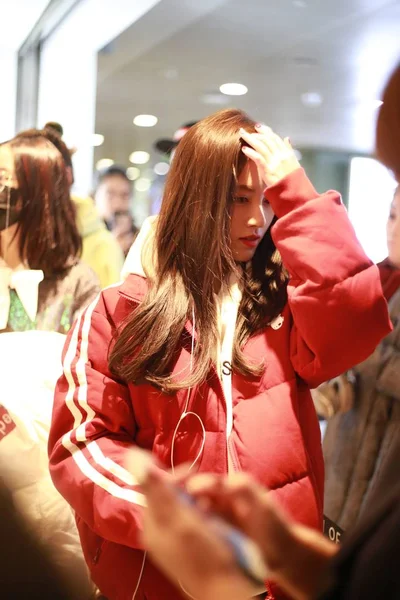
pixel 264 141
pixel 258 159
pixel 288 143
pixel 253 154
pixel 161 497
pixel 247 505
pixel 274 157
pixel 272 140
pixel 256 142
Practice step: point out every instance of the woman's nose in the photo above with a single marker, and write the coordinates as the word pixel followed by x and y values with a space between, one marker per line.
pixel 257 218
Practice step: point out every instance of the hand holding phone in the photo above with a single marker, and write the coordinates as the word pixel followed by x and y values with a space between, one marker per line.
pixel 243 551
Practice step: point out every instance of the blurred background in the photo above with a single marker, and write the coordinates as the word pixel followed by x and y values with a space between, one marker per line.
pixel 120 75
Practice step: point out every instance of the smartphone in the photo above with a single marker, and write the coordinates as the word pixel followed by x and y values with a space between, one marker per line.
pixel 245 551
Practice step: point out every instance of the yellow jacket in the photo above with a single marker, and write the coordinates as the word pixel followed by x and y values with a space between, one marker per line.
pixel 100 249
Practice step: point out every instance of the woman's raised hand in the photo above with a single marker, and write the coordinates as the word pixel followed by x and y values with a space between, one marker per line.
pixel 274 156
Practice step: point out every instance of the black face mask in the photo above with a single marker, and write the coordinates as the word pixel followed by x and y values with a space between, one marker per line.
pixel 9 214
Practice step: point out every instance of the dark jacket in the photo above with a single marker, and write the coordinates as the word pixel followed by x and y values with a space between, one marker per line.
pixel 362 446
pixel 367 564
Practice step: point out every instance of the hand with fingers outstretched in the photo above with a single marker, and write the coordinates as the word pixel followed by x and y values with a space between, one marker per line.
pixel 273 156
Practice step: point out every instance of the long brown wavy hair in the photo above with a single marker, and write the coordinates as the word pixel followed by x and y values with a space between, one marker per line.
pixel 193 260
pixel 48 235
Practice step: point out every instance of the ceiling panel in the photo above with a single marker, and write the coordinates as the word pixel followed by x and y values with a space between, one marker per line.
pixel 342 49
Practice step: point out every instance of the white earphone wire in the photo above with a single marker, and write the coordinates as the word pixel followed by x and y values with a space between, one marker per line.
pixel 187 413
pixel 184 414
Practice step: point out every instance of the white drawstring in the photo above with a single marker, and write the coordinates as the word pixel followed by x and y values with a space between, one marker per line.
pixel 140 576
pixel 183 416
pixel 187 413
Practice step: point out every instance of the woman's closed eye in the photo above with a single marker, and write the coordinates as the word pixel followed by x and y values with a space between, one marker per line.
pixel 241 199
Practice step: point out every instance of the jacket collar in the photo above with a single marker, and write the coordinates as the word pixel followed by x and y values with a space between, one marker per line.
pixel 134 288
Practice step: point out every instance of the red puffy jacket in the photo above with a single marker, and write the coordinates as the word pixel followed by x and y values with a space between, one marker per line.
pixel 335 317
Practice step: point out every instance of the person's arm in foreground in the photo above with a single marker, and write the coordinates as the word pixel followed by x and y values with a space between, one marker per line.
pixel 185 547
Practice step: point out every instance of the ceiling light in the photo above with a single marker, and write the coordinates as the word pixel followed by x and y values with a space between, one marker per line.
pixel 142 184
pixel 233 89
pixel 161 168
pixel 104 163
pixel 215 98
pixel 145 120
pixel 133 173
pixel 97 139
pixel 139 157
pixel 311 99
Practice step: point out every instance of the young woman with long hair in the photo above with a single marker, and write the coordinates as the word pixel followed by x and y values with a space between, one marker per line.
pixel 43 283
pixel 307 565
pixel 236 303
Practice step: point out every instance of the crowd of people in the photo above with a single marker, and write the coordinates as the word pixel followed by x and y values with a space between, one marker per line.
pixel 208 339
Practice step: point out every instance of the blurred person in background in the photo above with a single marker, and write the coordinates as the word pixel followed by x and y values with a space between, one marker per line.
pixel 305 564
pixel 168 145
pixel 113 193
pixel 206 352
pixel 362 441
pixel 113 196
pixel 124 230
pixel 43 282
pixel 100 250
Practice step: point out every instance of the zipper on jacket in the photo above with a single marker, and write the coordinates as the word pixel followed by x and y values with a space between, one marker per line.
pixel 98 553
pixel 97 556
pixel 231 458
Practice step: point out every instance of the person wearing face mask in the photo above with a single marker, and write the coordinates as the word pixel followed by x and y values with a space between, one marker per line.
pixel 362 442
pixel 205 354
pixel 168 146
pixel 43 284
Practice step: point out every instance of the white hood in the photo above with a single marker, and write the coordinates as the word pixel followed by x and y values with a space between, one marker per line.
pixel 141 251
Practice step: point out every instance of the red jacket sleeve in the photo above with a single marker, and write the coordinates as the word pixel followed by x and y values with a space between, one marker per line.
pixel 92 426
pixel 335 293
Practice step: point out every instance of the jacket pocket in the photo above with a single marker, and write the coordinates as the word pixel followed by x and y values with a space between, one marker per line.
pixel 93 545
pixel 99 551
